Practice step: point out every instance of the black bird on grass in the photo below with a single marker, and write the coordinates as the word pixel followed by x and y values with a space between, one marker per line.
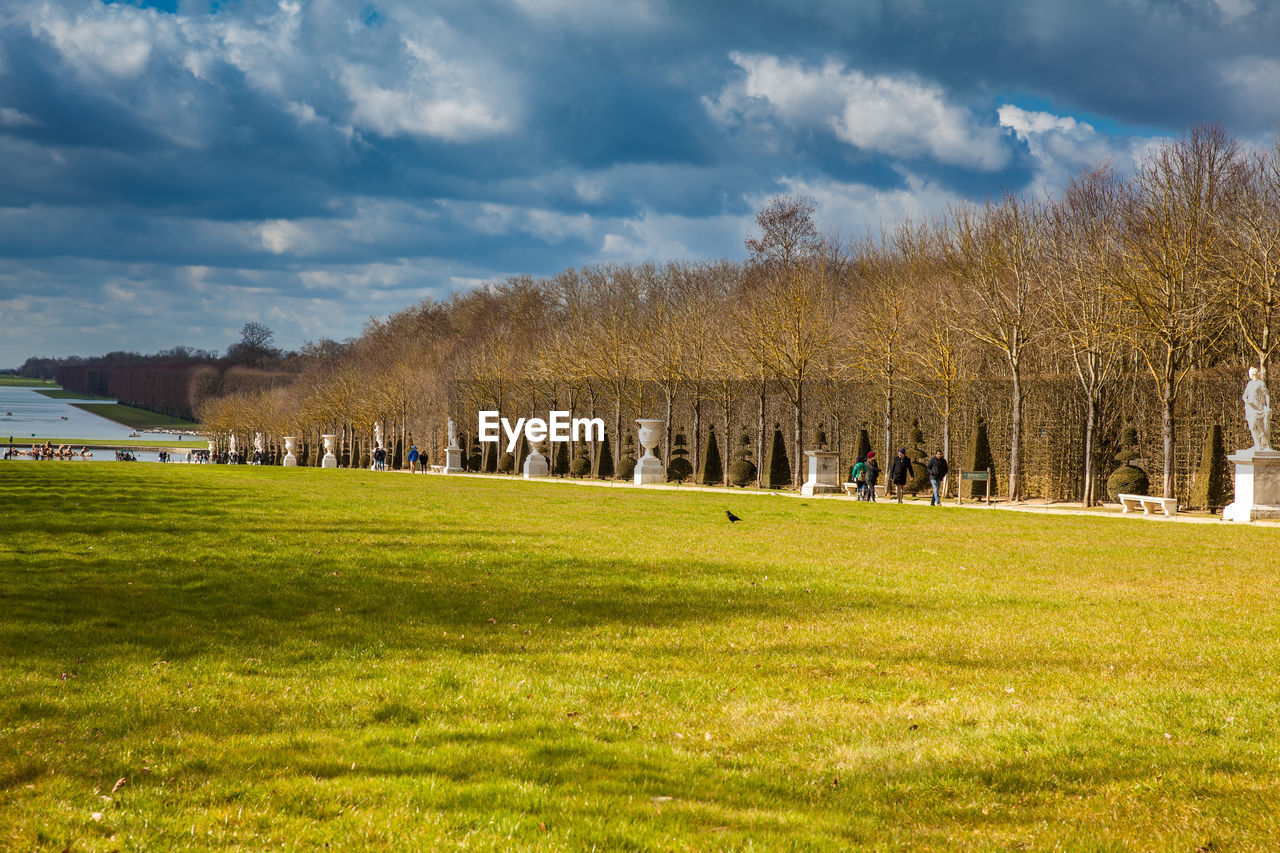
pixel 732 517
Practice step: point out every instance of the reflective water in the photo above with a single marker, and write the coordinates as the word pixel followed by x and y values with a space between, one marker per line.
pixel 25 413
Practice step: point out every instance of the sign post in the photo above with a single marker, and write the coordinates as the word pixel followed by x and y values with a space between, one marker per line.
pixel 975 476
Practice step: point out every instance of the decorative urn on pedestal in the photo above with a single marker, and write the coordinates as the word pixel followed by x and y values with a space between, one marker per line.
pixel 649 467
pixel 330 460
pixel 290 442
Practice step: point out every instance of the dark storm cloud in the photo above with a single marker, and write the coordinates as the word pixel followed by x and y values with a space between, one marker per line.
pixel 354 157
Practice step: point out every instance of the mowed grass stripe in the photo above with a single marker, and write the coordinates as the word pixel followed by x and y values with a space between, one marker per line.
pixel 293 658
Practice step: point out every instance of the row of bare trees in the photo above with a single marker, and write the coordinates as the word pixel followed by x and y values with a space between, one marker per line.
pixel 1158 273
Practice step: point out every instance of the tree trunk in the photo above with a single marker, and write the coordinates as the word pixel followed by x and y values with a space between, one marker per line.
pixel 797 473
pixel 760 441
pixel 1015 440
pixel 697 433
pixel 888 420
pixel 1090 419
pixel 1167 433
pixel 617 434
pixel 666 447
pixel 946 439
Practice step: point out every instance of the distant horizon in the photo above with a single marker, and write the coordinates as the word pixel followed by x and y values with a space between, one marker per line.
pixel 173 170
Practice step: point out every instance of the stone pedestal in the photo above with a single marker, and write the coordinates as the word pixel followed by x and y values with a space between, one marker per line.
pixel 535 465
pixel 290 461
pixel 1257 486
pixel 453 460
pixel 824 473
pixel 329 460
pixel 649 468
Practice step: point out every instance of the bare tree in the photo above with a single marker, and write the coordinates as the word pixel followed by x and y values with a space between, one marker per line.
pixel 1084 227
pixel 995 255
pixel 1249 257
pixel 1166 278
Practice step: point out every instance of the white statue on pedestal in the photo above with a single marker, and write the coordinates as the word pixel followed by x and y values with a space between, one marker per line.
pixel 377 434
pixel 453 434
pixel 1257 410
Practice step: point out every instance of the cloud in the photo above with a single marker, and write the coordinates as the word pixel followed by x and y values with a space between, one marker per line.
pixel 113 39
pixel 901 116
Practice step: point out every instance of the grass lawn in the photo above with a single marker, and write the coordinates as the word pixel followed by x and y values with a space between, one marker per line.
pixel 64 394
pixel 26 381
pixel 211 657
pixel 134 417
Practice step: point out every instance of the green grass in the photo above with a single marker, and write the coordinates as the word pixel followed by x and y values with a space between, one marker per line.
pixel 103 442
pixel 63 394
pixel 133 417
pixel 294 658
pixel 26 381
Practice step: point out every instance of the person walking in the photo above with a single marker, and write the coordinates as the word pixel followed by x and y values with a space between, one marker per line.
pixel 901 471
pixel 871 474
pixel 858 476
pixel 413 459
pixel 937 468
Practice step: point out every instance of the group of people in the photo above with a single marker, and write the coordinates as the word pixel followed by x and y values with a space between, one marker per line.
pixel 48 451
pixel 865 474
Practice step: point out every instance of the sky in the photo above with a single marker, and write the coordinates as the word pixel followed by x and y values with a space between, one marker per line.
pixel 169 171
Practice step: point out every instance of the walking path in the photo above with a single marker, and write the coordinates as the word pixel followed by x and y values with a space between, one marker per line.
pixel 1036 508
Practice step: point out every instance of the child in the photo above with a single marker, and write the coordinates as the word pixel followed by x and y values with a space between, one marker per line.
pixel 858 477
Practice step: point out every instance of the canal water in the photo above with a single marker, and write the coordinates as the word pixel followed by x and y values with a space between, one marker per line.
pixel 25 414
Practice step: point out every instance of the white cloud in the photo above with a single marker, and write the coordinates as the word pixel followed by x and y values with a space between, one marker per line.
pixel 115 39
pixel 1062 147
pixel 438 95
pixel 853 209
pixel 902 116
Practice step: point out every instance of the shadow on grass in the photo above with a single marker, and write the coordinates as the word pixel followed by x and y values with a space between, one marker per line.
pixel 175 566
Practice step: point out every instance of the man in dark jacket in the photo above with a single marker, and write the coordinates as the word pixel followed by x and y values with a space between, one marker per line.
pixel 900 472
pixel 937 468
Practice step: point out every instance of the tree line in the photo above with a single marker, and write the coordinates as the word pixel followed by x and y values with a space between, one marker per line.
pixel 1131 299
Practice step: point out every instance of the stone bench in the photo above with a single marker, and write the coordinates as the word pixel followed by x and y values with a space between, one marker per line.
pixel 1129 503
pixel 436 469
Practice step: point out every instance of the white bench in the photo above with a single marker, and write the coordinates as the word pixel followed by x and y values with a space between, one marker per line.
pixel 1128 503
pixel 436 469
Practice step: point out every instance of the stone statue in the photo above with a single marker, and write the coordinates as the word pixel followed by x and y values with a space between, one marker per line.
pixel 377 434
pixel 453 434
pixel 257 441
pixel 1257 410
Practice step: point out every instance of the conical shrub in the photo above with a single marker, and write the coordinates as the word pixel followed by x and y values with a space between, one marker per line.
pixel 979 459
pixel 743 471
pixel 581 464
pixel 560 463
pixel 603 468
pixel 712 473
pixel 1213 487
pixel 777 472
pixel 627 463
pixel 918 456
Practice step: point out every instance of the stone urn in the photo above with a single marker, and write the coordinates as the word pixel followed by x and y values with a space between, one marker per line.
pixel 290 442
pixel 535 465
pixel 330 460
pixel 649 468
